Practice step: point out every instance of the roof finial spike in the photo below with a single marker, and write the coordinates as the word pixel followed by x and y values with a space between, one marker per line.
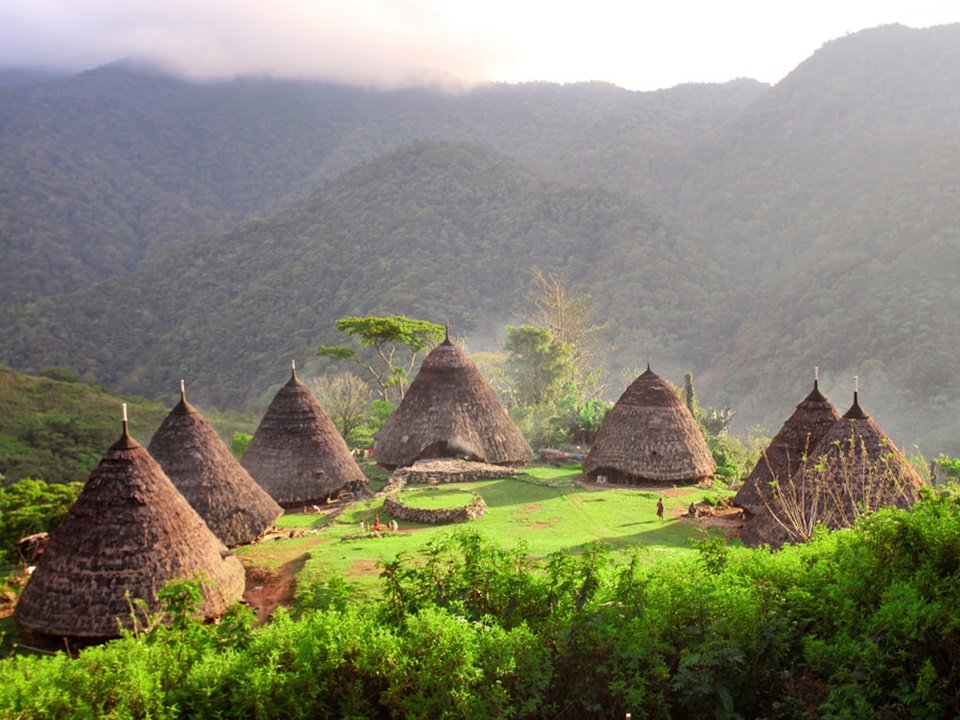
pixel 816 377
pixel 446 331
pixel 125 424
pixel 183 391
pixel 293 369
pixel 648 363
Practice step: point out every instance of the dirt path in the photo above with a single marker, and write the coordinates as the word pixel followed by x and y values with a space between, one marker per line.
pixel 266 590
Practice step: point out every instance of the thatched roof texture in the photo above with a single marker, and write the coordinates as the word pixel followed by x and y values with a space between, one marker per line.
pixel 781 460
pixel 449 410
pixel 130 531
pixel 854 467
pixel 297 455
pixel 203 469
pixel 649 436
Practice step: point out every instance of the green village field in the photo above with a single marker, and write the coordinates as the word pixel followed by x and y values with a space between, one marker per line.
pixel 544 509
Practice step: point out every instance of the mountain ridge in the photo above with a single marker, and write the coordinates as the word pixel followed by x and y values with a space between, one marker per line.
pixel 742 231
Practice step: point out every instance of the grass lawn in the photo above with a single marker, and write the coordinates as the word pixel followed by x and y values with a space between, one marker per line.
pixel 543 508
pixel 437 497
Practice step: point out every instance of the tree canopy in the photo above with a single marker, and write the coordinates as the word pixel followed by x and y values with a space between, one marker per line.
pixel 385 336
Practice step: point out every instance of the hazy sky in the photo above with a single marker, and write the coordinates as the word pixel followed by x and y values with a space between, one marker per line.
pixel 637 44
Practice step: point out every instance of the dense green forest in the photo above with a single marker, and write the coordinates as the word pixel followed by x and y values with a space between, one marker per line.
pixel 859 623
pixel 57 427
pixel 742 231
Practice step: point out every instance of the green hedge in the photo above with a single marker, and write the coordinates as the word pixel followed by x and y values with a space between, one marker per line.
pixel 857 624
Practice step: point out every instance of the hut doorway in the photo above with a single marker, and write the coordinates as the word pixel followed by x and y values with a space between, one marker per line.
pixel 448 449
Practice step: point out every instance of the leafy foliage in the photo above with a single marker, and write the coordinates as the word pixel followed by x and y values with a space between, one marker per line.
pixel 858 623
pixel 58 429
pixel 384 335
pixel 31 506
pixel 538 364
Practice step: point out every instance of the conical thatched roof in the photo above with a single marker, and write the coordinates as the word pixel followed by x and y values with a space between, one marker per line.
pixel 649 436
pixel 297 455
pixel 449 410
pixel 853 466
pixel 130 531
pixel 207 474
pixel 798 437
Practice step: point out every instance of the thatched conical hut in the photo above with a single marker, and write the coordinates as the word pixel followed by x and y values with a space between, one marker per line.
pixel 129 532
pixel 449 410
pixel 297 455
pixel 781 460
pixel 854 467
pixel 207 474
pixel 649 436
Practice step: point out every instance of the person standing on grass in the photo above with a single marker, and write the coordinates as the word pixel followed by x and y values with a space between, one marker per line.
pixel 660 508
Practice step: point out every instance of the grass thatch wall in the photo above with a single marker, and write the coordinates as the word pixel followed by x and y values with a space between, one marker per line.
pixel 649 436
pixel 204 470
pixel 450 411
pixel 297 455
pixel 130 531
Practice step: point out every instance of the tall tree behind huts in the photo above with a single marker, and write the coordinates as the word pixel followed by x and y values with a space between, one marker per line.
pixel 568 313
pixel 380 340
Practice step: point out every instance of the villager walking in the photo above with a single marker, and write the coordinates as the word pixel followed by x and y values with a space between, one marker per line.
pixel 660 508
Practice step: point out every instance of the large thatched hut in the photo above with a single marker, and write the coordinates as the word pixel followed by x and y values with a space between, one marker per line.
pixel 449 410
pixel 781 460
pixel 297 455
pixel 854 467
pixel 129 532
pixel 207 474
pixel 649 436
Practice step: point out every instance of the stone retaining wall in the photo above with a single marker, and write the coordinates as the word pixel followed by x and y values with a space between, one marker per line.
pixel 440 516
pixel 446 471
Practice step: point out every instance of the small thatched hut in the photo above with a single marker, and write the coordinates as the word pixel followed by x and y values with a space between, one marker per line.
pixel 854 467
pixel 130 531
pixel 207 474
pixel 649 436
pixel 781 460
pixel 449 410
pixel 297 455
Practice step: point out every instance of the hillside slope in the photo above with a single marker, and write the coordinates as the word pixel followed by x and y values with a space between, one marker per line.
pixel 101 170
pixel 836 199
pixel 810 224
pixel 439 230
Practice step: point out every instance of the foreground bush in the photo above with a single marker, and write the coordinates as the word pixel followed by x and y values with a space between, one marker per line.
pixel 856 624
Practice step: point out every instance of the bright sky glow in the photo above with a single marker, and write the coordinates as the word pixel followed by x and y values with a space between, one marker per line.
pixel 636 44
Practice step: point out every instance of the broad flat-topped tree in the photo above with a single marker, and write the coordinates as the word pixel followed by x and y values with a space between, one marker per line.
pixel 382 338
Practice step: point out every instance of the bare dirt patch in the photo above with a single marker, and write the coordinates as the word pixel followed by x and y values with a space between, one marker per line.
pixel 266 590
pixel 362 566
pixel 660 490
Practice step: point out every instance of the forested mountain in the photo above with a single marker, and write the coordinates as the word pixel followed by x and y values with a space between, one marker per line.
pixel 439 230
pixel 837 197
pixel 100 170
pixel 745 232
